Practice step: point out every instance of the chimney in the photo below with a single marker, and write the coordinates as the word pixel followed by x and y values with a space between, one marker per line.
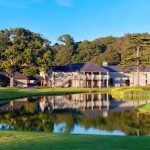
pixel 105 63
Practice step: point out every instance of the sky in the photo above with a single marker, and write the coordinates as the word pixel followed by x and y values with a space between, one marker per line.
pixel 82 19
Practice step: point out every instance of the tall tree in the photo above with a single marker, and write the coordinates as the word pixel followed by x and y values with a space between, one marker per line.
pixel 66 51
pixel 19 49
pixel 110 55
pixel 87 50
pixel 137 56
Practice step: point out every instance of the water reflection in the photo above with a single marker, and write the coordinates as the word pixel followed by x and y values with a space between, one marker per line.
pixel 77 113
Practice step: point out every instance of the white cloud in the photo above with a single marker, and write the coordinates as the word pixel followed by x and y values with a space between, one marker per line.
pixel 64 2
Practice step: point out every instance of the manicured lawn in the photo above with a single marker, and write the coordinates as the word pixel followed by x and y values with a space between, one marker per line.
pixel 12 93
pixel 11 140
pixel 9 93
pixel 144 108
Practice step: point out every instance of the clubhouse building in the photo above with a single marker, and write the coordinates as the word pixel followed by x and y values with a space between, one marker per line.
pixel 90 75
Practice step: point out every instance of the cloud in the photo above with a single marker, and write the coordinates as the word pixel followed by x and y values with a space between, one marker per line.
pixel 64 2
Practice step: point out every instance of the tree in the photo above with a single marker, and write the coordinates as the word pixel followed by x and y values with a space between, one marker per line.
pixel 87 50
pixel 66 39
pixel 20 50
pixel 110 55
pixel 66 51
pixel 10 53
pixel 136 56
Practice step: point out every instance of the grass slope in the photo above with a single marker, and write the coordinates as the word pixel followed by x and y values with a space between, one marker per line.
pixel 12 140
pixel 144 108
pixel 131 93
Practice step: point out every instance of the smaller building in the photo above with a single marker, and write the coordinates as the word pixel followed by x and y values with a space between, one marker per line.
pixel 128 76
pixel 20 80
pixel 35 81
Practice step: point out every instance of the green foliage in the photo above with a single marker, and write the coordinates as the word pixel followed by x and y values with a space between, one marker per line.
pixel 24 51
pixel 64 54
pixel 131 93
pixel 28 52
pixel 144 108
pixel 111 49
pixel 139 46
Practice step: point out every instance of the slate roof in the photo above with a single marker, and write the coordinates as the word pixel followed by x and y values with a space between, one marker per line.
pixel 18 75
pixel 83 67
pixel 112 68
pixel 89 67
pixel 68 68
pixel 126 69
pixel 3 76
pixel 39 78
pixel 35 78
pixel 32 78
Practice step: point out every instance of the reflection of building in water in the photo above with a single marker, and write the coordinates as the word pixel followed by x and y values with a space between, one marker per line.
pixel 76 101
pixel 14 104
pixel 91 101
pixel 87 103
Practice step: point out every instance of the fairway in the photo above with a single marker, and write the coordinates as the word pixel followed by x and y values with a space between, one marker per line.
pixel 12 140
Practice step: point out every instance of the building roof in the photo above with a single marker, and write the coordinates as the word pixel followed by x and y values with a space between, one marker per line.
pixel 126 69
pixel 83 67
pixel 32 78
pixel 68 68
pixel 18 75
pixel 3 76
pixel 89 66
pixel 39 78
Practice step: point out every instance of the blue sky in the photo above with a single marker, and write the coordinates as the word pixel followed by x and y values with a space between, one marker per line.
pixel 82 19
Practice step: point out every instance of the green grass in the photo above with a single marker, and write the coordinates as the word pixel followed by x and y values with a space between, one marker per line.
pixel 12 140
pixel 131 93
pixel 144 108
pixel 119 93
pixel 12 93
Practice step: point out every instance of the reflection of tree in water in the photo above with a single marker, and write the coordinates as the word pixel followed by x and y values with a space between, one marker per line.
pixel 132 123
pixel 68 119
pixel 128 122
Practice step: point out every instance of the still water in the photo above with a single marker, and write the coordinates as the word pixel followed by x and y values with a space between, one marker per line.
pixel 76 114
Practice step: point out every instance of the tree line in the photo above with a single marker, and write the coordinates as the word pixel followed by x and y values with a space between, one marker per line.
pixel 29 53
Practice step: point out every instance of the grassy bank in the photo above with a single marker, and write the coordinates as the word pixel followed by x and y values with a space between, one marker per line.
pixel 131 93
pixel 137 93
pixel 12 140
pixel 144 108
pixel 11 93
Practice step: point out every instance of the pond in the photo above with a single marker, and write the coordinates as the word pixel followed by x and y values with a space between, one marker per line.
pixel 75 114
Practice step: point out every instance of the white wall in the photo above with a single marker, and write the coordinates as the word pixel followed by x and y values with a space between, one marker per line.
pixel 21 83
pixel 119 78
